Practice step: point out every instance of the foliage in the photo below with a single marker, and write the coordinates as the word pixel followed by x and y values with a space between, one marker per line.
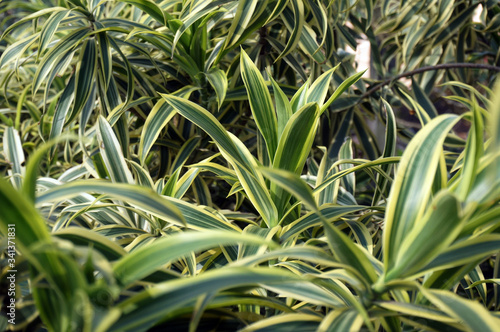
pixel 204 165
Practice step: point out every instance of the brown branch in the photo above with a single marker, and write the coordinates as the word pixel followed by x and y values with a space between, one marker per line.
pixel 428 68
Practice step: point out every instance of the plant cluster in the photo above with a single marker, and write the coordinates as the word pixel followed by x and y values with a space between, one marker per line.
pixel 224 165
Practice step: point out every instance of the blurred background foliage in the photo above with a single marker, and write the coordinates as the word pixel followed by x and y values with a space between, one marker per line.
pixel 127 123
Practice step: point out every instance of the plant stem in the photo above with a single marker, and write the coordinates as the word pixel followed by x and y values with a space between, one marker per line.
pixel 428 68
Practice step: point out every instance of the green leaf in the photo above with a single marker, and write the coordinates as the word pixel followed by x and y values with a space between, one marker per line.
pixel 329 211
pixel 150 8
pixel 31 17
pixel 286 322
pixel 49 29
pixel 235 152
pixel 130 73
pixel 389 150
pixel 283 107
pixel 218 80
pixel 17 210
pixel 145 260
pixel 464 252
pixel 16 49
pixel 473 315
pixel 294 147
pixel 240 21
pixel 341 88
pixel 84 237
pixel 105 58
pixel 341 320
pixel 149 306
pixel 301 252
pixel 364 164
pixel 62 276
pixel 423 116
pixel 199 218
pixel 493 172
pixel 62 108
pixel 289 59
pixel 112 154
pixel 307 38
pixel 343 248
pixel 292 183
pixel 456 23
pixel 310 293
pixel 143 198
pixel 473 152
pixel 260 103
pixel 199 11
pixel 186 150
pixel 346 153
pixel 32 171
pixel 265 233
pixel 430 235
pixel 412 186
pixel 159 117
pixel 416 310
pixel 298 13
pixel 318 90
pixel 300 97
pixel 423 100
pixel 484 281
pixel 13 150
pixel 347 252
pixel 49 60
